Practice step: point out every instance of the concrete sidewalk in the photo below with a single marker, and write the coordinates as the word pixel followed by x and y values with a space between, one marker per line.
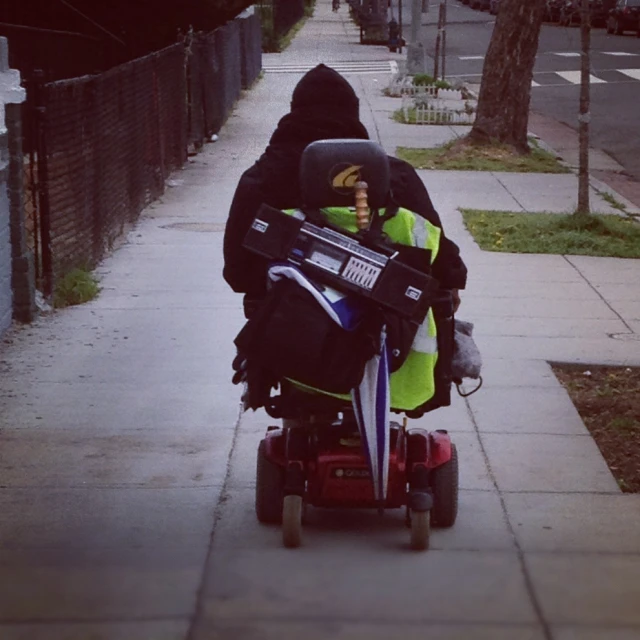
pixel 127 474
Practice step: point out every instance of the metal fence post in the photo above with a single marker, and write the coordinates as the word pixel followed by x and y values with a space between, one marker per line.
pixel 43 183
pixel 98 222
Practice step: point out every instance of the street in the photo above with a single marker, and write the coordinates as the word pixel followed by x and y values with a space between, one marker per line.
pixel 615 82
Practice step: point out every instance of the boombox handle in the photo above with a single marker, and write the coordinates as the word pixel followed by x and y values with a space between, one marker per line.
pixel 363 217
pixel 370 225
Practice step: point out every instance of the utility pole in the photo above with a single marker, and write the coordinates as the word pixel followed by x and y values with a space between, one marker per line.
pixel 440 55
pixel 585 104
pixel 416 59
pixel 400 23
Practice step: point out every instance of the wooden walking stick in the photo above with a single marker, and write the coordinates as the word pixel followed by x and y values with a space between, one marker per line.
pixel 362 207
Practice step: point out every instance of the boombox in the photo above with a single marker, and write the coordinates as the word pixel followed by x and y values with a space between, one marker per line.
pixel 340 260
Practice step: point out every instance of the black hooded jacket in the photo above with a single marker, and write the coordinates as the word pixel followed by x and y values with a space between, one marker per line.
pixel 323 106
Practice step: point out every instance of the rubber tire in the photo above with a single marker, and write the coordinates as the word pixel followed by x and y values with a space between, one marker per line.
pixel 420 530
pixel 269 488
pixel 444 487
pixel 292 521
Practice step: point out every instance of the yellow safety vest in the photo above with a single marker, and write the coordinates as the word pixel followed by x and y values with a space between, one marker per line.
pixel 413 384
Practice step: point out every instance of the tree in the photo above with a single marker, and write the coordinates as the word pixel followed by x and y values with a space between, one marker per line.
pixel 505 91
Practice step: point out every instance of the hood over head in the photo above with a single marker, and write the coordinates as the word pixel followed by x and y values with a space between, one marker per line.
pixel 325 88
pixel 323 106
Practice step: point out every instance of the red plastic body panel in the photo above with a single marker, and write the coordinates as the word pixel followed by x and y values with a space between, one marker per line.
pixel 337 469
pixel 339 475
pixel 275 447
pixel 440 449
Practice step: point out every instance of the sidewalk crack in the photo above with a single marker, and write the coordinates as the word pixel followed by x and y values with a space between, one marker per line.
pixel 504 186
pixel 217 515
pixel 537 607
pixel 606 302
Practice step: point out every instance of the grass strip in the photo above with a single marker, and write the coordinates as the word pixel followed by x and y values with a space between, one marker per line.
pixel 562 234
pixel 458 156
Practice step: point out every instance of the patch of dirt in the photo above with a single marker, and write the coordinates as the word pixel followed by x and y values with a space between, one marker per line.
pixel 464 148
pixel 608 401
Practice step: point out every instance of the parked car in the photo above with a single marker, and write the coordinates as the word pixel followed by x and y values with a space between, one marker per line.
pixel 600 11
pixel 552 10
pixel 570 13
pixel 625 16
pixel 494 7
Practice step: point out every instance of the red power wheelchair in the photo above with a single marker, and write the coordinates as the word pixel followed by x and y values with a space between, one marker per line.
pixel 319 457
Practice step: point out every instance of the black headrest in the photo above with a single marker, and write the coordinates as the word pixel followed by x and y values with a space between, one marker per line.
pixel 329 170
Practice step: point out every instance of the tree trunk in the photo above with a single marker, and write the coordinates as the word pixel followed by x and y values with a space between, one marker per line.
pixel 505 91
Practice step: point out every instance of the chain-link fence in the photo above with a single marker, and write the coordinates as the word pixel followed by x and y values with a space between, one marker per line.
pixel 99 148
pixel 278 16
pixel 287 13
pixel 106 144
pixel 215 78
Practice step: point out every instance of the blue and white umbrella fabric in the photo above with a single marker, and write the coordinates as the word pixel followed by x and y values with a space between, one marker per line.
pixel 371 404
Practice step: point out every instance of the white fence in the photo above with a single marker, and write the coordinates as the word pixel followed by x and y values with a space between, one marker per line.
pixel 429 104
pixel 440 110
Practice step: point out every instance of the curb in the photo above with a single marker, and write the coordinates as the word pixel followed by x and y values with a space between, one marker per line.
pixel 630 209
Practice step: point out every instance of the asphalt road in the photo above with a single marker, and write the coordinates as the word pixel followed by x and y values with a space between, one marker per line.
pixel 615 86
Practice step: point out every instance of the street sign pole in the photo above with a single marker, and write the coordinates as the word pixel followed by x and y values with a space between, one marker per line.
pixel 585 105
pixel 416 59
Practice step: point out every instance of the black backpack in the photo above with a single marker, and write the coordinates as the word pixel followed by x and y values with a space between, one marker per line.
pixel 291 336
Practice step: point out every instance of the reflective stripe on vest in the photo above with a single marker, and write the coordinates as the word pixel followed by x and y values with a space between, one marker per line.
pixel 426 236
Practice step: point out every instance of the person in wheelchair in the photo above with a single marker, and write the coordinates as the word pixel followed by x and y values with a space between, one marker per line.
pixel 323 106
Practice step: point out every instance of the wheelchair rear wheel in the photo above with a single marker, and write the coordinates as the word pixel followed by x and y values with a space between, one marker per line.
pixel 269 489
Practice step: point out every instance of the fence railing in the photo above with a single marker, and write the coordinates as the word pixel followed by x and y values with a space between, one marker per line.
pixel 437 107
pixel 278 17
pixel 99 148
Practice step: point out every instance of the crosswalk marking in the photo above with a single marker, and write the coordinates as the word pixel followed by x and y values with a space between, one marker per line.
pixel 361 67
pixel 574 77
pixel 632 73
pixel 567 54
